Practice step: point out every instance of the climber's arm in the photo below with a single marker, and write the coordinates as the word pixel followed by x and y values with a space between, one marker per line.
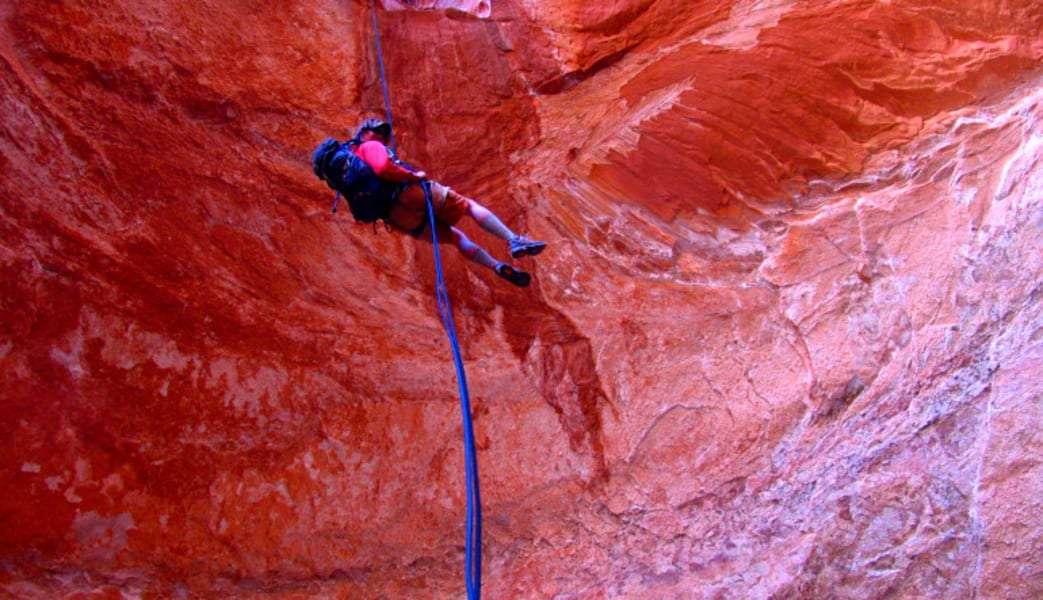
pixel 376 155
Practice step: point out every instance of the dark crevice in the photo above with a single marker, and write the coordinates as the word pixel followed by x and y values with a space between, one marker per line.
pixel 567 81
pixel 560 359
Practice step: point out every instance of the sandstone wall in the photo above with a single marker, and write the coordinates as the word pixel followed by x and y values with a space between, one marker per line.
pixel 786 340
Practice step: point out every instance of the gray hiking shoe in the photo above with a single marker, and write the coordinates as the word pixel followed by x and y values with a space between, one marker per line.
pixel 523 246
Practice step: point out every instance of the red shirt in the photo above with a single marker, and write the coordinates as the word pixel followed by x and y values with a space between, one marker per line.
pixel 378 157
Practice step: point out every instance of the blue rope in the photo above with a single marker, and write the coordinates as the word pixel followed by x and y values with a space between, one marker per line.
pixel 473 545
pixel 383 79
pixel 473 564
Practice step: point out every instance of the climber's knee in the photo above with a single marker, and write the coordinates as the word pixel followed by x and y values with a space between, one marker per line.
pixel 464 244
pixel 477 211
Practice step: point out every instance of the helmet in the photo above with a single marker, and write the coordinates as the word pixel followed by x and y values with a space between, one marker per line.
pixel 381 127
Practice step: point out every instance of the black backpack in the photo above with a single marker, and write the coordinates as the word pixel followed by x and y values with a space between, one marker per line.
pixel 369 197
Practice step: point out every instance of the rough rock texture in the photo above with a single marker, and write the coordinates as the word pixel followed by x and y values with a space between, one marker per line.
pixel 787 341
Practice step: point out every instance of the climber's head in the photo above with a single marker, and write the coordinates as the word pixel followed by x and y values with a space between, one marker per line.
pixel 381 128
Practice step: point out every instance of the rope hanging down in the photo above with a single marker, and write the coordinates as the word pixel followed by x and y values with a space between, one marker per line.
pixel 473 564
pixel 473 561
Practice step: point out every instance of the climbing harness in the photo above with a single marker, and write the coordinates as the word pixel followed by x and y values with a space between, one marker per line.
pixel 473 545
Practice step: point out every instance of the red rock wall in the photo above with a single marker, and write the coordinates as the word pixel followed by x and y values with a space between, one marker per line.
pixel 785 342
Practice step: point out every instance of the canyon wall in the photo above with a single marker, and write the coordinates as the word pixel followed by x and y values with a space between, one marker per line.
pixel 786 340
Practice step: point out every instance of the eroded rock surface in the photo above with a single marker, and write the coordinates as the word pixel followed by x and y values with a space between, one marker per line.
pixel 786 341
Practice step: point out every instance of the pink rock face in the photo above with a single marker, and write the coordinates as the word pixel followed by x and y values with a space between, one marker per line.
pixel 475 8
pixel 786 341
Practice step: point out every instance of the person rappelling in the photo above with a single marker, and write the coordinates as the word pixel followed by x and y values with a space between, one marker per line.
pixel 380 187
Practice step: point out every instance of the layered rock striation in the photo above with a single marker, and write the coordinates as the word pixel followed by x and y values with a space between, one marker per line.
pixel 785 343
